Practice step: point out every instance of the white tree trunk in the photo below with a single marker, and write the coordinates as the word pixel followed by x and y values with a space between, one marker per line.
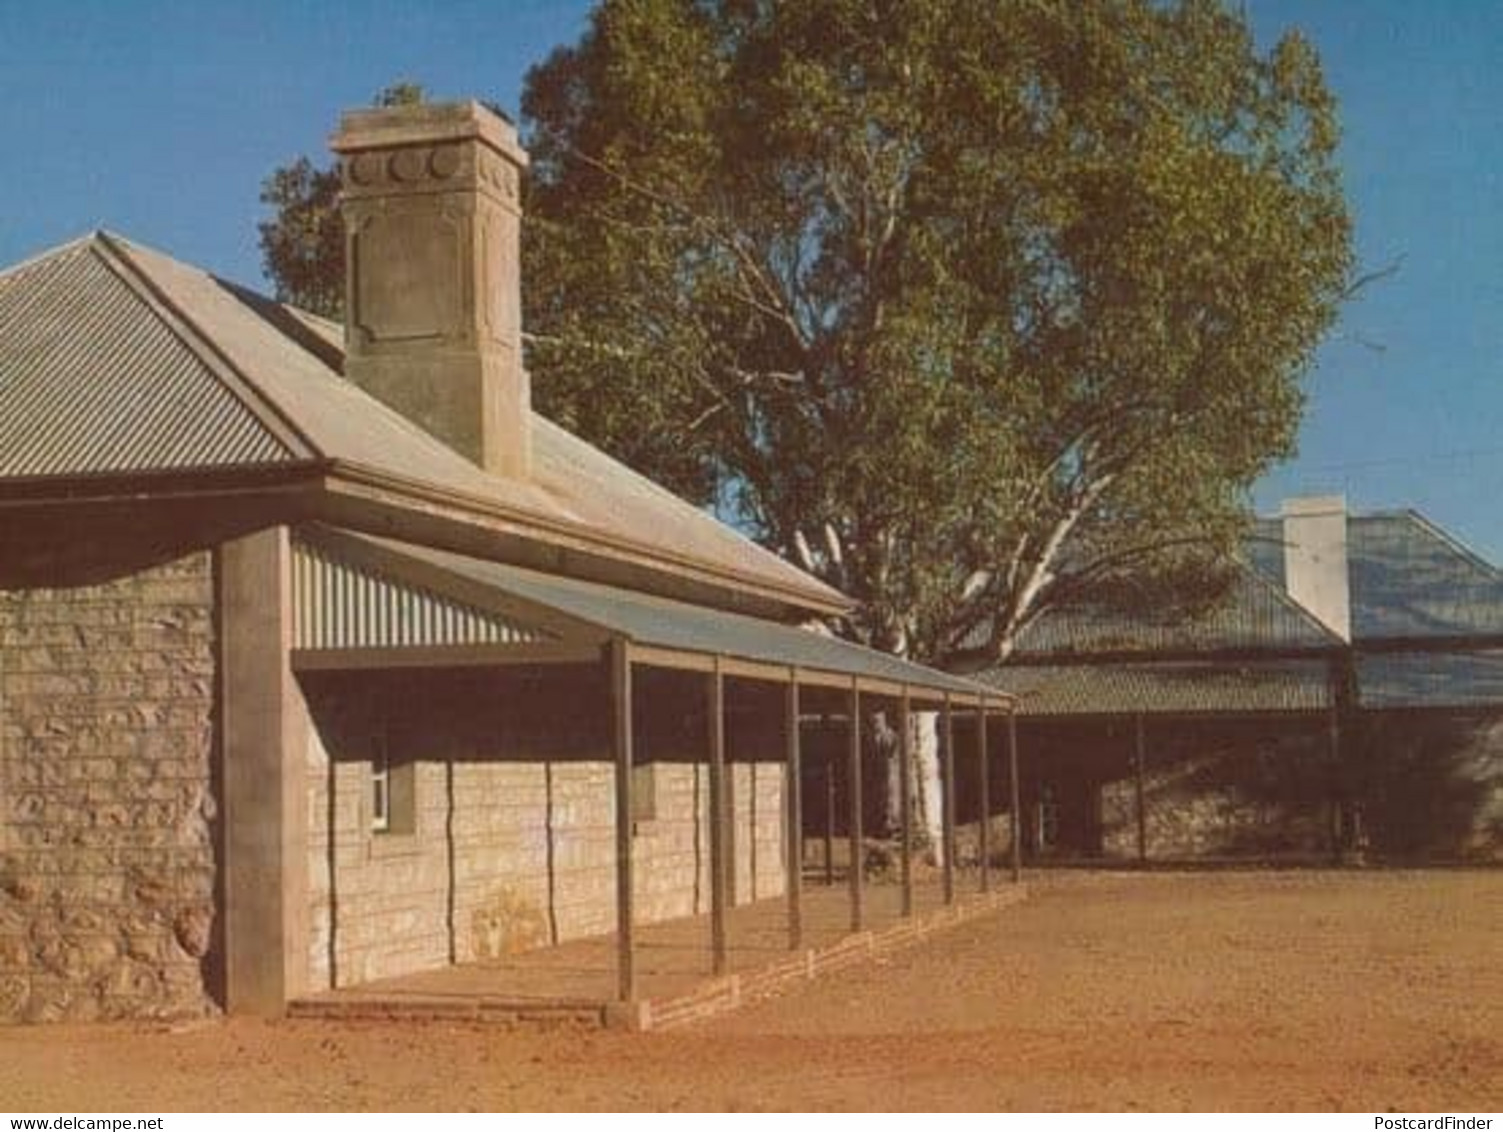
pixel 928 786
pixel 928 799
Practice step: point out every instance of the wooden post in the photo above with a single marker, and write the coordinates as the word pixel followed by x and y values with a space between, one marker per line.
pixel 905 802
pixel 619 660
pixel 1012 771
pixel 1340 683
pixel 947 828
pixel 716 705
pixel 857 868
pixel 985 797
pixel 1334 746
pixel 1140 755
pixel 829 803
pixel 795 787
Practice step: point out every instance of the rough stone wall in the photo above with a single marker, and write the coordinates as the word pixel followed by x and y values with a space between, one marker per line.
pixel 1415 786
pixel 106 851
pixel 1257 789
pixel 1212 805
pixel 512 844
pixel 998 840
pixel 1431 783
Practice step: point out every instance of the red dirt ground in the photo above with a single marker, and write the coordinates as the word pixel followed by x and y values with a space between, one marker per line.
pixel 1251 990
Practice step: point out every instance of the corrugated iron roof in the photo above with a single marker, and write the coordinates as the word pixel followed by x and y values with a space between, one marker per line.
pixel 92 381
pixel 1253 614
pixel 186 367
pixel 662 623
pixel 1408 578
pixel 1430 680
pixel 338 604
pixel 1164 689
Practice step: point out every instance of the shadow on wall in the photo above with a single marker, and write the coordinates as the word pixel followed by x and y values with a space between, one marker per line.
pixel 1433 785
pixel 473 811
pixel 1428 787
pixel 1237 793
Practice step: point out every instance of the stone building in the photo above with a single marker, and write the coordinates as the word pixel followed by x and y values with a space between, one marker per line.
pixel 323 658
pixel 1345 700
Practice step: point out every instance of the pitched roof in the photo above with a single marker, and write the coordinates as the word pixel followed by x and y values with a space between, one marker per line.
pixel 1408 577
pixel 1167 688
pixel 92 381
pixel 1409 581
pixel 1253 614
pixel 1430 679
pixel 118 359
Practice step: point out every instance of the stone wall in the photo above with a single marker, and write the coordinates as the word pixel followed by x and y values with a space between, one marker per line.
pixel 1414 786
pixel 511 844
pixel 1431 783
pixel 1214 788
pixel 1219 803
pixel 106 805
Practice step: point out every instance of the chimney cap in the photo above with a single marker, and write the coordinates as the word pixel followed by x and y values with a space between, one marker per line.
pixel 1303 505
pixel 423 123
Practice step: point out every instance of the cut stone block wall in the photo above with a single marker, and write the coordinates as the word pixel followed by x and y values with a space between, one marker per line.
pixel 512 840
pixel 106 804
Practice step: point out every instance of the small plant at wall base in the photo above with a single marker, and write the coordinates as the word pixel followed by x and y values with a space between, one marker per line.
pixel 971 309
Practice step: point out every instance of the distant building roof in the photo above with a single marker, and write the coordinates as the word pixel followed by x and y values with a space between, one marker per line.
pixel 1430 679
pixel 1255 614
pixel 1182 688
pixel 1408 577
pixel 1409 582
pixel 118 360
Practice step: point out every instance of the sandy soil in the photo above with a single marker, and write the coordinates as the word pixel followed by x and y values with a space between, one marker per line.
pixel 1358 991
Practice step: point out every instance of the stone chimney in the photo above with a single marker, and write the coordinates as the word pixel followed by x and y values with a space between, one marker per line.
pixel 433 323
pixel 1315 561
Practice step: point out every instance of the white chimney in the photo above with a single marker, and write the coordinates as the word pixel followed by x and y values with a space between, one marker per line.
pixel 1315 559
pixel 433 319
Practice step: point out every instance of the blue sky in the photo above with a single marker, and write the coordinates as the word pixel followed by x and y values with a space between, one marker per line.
pixel 158 119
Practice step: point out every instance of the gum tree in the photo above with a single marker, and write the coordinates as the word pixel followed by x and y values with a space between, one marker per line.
pixel 971 309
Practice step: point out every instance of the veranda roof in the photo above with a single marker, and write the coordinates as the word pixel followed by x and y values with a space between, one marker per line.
pixel 367 601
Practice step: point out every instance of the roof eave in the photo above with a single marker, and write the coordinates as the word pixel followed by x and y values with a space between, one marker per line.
pixel 399 494
pixel 120 487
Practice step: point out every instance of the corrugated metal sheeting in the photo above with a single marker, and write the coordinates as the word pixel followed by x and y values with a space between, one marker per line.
pixel 340 605
pixel 1431 680
pixel 674 625
pixel 571 481
pixel 97 378
pixel 1166 688
pixel 91 380
pixel 1253 614
pixel 1409 578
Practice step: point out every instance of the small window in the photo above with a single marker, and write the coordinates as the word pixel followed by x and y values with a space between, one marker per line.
pixel 393 793
pixel 644 792
pixel 380 785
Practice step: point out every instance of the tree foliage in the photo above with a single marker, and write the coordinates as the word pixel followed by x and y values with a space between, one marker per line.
pixel 302 245
pixel 973 309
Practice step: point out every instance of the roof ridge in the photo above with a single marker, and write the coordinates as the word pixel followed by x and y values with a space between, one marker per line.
pixel 1451 541
pixel 55 252
pixel 267 412
pixel 1286 599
